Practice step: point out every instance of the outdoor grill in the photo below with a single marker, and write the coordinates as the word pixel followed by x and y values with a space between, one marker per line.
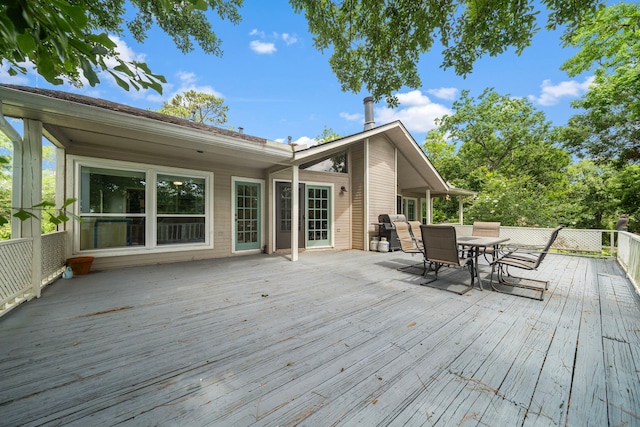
pixel 388 230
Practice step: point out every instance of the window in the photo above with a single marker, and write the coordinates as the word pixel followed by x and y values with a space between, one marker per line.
pixel 181 209
pixel 127 206
pixel 112 208
pixel 337 163
pixel 410 211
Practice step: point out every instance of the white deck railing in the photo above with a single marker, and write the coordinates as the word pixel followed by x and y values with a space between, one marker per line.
pixel 16 283
pixel 569 239
pixel 629 256
pixel 16 255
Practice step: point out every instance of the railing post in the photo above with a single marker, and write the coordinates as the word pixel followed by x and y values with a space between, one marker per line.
pixel 612 242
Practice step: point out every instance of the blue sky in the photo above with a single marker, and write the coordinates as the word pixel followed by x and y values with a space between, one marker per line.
pixel 276 84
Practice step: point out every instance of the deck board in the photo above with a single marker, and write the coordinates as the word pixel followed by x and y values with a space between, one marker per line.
pixel 337 338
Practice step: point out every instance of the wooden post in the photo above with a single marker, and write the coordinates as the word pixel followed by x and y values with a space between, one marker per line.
pixel 16 172
pixel 295 209
pixel 32 195
pixel 429 206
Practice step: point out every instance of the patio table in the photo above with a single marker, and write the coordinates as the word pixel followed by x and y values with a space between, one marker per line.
pixel 475 243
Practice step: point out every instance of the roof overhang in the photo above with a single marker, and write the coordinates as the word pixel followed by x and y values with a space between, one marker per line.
pixel 415 173
pixel 77 125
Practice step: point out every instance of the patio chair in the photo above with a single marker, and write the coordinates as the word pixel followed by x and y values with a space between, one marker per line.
pixel 487 229
pixel 409 244
pixel 441 249
pixel 414 227
pixel 524 260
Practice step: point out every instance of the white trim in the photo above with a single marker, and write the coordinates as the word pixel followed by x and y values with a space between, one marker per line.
pixel 365 191
pixel 151 172
pixel 262 183
pixel 417 208
pixel 332 238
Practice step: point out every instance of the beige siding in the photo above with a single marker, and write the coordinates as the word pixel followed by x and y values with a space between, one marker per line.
pixel 357 168
pixel 222 225
pixel 382 185
pixel 341 207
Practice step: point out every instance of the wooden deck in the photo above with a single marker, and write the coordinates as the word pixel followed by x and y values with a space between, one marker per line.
pixel 337 338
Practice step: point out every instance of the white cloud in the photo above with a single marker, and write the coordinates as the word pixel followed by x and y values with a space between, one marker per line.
pixel 551 94
pixel 303 140
pixel 352 117
pixel 256 32
pixel 289 39
pixel 187 81
pixel 416 111
pixel 262 47
pixel 448 93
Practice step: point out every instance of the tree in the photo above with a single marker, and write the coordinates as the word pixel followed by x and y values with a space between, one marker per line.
pixel 378 43
pixel 506 135
pixel 339 161
pixel 591 200
pixel 374 43
pixel 198 107
pixel 626 188
pixel 69 41
pixel 609 127
pixel 506 153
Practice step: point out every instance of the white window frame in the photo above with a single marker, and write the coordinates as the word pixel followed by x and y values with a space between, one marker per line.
pixel 416 207
pixel 150 215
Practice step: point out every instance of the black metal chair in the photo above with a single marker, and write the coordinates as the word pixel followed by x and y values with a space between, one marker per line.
pixel 526 261
pixel 441 249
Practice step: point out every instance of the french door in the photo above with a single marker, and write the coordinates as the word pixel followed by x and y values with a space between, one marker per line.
pixel 248 215
pixel 283 215
pixel 319 219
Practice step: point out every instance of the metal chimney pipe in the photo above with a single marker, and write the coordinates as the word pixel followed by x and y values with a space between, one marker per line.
pixel 369 123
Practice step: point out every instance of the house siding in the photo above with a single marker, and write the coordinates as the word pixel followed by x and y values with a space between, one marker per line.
pixel 341 202
pixel 357 168
pixel 222 207
pixel 382 182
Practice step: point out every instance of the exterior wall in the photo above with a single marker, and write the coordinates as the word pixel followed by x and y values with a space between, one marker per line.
pixel 382 181
pixel 341 201
pixel 222 208
pixel 357 173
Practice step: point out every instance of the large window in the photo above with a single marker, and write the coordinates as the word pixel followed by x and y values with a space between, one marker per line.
pixel 145 208
pixel 181 209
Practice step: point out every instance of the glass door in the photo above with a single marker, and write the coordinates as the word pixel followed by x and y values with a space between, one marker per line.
pixel 247 215
pixel 318 216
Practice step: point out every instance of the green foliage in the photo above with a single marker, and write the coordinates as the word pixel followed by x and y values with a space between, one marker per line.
pixel 378 43
pixel 506 153
pixel 69 40
pixel 610 44
pixel 338 162
pixel 505 135
pixel 626 188
pixel 51 216
pixel 514 201
pixel 197 106
pixel 590 201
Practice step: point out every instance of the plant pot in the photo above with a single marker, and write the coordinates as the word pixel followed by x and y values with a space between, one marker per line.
pixel 80 264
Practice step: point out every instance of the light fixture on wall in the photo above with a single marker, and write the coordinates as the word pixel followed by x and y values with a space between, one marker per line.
pixel 343 189
pixel 178 183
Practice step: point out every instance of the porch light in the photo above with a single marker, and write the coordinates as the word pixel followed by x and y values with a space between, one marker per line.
pixel 178 183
